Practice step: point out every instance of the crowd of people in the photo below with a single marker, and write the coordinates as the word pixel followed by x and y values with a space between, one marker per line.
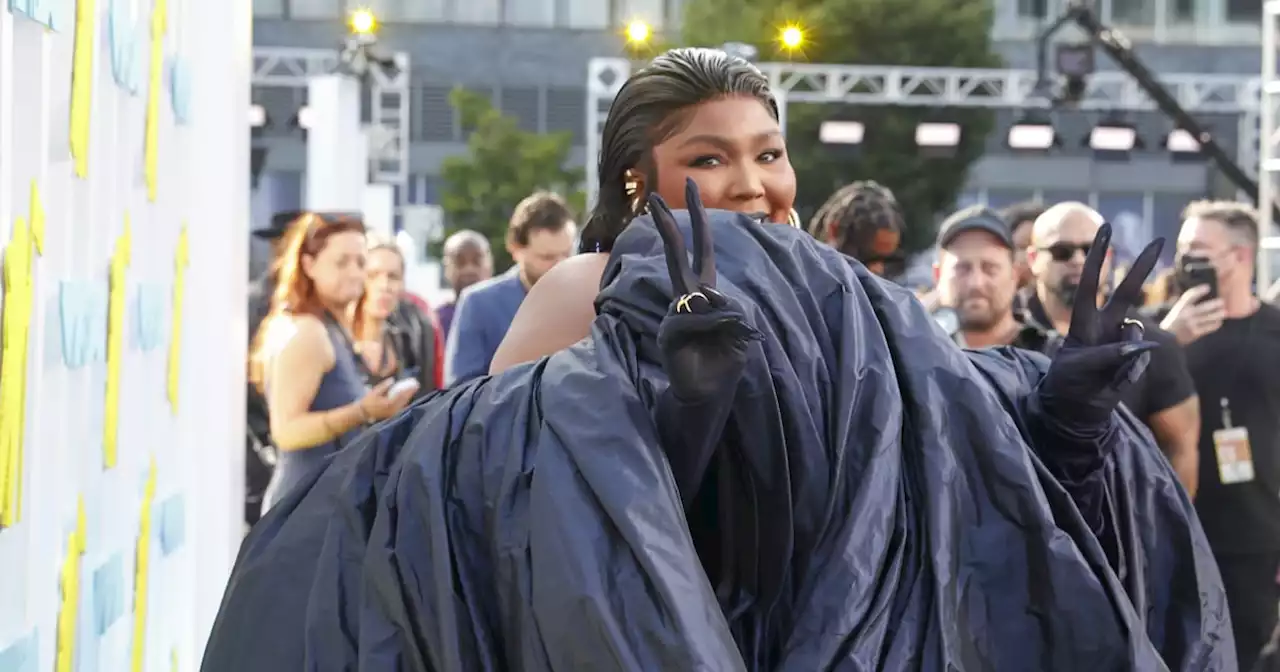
pixel 339 345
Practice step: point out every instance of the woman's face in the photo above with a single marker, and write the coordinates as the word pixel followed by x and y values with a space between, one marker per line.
pixel 733 150
pixel 384 282
pixel 337 271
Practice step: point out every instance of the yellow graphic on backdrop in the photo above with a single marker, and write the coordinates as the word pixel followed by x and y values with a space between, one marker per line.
pixel 115 344
pixel 159 24
pixel 141 565
pixel 181 259
pixel 19 301
pixel 69 610
pixel 82 83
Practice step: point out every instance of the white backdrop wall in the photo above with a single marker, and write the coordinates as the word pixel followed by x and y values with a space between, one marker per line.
pixel 123 221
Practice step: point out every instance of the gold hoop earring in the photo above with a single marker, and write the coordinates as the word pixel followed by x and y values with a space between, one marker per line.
pixel 632 189
pixel 793 218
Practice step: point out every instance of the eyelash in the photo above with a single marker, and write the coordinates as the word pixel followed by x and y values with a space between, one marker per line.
pixel 704 161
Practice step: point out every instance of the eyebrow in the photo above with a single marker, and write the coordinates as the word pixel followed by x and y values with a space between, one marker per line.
pixel 724 143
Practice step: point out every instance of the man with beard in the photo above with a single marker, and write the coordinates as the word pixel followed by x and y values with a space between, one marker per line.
pixel 976 277
pixel 540 235
pixel 1165 397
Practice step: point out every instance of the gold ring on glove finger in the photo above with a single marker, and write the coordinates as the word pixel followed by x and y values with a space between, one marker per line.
pixel 682 305
pixel 1130 322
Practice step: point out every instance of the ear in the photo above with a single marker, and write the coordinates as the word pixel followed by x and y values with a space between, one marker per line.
pixel 1032 255
pixel 937 272
pixel 515 251
pixel 306 264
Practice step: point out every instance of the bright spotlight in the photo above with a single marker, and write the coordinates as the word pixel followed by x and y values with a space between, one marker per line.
pixel 938 140
pixel 257 116
pixel 1113 138
pixel 792 37
pixel 305 119
pixel 1030 136
pixel 363 22
pixel 638 32
pixel 841 132
pixel 937 135
pixel 1182 144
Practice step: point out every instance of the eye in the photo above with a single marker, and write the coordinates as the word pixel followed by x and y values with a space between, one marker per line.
pixel 770 156
pixel 707 161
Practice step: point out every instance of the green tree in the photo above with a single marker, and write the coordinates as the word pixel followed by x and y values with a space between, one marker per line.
pixel 948 33
pixel 503 164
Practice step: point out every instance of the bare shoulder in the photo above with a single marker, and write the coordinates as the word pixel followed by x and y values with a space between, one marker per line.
pixel 556 314
pixel 303 335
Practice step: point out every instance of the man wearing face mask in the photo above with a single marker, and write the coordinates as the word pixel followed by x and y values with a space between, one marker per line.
pixel 1233 351
pixel 976 277
pixel 1165 397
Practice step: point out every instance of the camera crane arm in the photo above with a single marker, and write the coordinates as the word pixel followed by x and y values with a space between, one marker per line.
pixel 1118 49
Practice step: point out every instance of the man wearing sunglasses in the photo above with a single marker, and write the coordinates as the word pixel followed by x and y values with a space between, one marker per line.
pixel 1165 397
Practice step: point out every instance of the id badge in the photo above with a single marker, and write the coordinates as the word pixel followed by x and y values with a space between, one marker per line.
pixel 1235 457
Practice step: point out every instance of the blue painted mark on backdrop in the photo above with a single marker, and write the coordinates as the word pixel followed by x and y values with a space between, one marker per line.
pixel 22 655
pixel 52 14
pixel 108 594
pixel 180 89
pixel 127 47
pixel 149 304
pixel 82 311
pixel 173 524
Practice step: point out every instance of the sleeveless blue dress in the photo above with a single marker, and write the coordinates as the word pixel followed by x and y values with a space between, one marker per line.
pixel 343 384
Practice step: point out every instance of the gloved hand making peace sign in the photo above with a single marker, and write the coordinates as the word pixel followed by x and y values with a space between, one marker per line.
pixel 704 340
pixel 704 337
pixel 1104 351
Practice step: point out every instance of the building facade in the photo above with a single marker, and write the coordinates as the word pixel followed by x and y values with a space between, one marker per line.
pixel 531 57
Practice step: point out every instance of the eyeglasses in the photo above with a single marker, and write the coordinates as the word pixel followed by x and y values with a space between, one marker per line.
pixel 1062 252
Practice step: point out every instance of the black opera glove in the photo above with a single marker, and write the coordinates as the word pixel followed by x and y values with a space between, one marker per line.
pixel 704 340
pixel 1104 351
pixel 705 336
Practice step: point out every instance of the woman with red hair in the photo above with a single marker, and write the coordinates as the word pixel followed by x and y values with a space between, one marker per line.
pixel 303 359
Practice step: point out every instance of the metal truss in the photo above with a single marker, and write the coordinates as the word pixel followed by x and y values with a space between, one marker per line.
pixel 389 95
pixel 1269 145
pixel 954 87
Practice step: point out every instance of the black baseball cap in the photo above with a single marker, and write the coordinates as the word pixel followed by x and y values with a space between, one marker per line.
pixel 281 221
pixel 974 218
pixel 279 225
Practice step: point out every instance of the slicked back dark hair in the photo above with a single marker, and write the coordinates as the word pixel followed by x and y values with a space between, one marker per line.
pixel 649 108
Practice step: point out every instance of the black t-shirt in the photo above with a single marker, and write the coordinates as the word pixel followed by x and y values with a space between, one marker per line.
pixel 1167 381
pixel 1241 363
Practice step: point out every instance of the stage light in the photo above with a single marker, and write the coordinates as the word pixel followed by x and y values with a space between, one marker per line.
pixel 1113 138
pixel 303 120
pixel 1032 136
pixel 937 135
pixel 363 22
pixel 638 32
pixel 1182 145
pixel 257 116
pixel 792 37
pixel 841 132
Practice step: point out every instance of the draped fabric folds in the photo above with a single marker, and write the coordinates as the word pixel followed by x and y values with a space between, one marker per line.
pixel 877 505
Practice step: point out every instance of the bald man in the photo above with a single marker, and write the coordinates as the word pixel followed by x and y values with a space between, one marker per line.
pixel 467 260
pixel 1165 397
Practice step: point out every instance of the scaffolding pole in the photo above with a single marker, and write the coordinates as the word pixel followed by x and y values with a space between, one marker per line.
pixel 956 87
pixel 388 136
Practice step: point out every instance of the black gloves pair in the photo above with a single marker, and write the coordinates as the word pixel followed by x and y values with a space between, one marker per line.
pixel 704 338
